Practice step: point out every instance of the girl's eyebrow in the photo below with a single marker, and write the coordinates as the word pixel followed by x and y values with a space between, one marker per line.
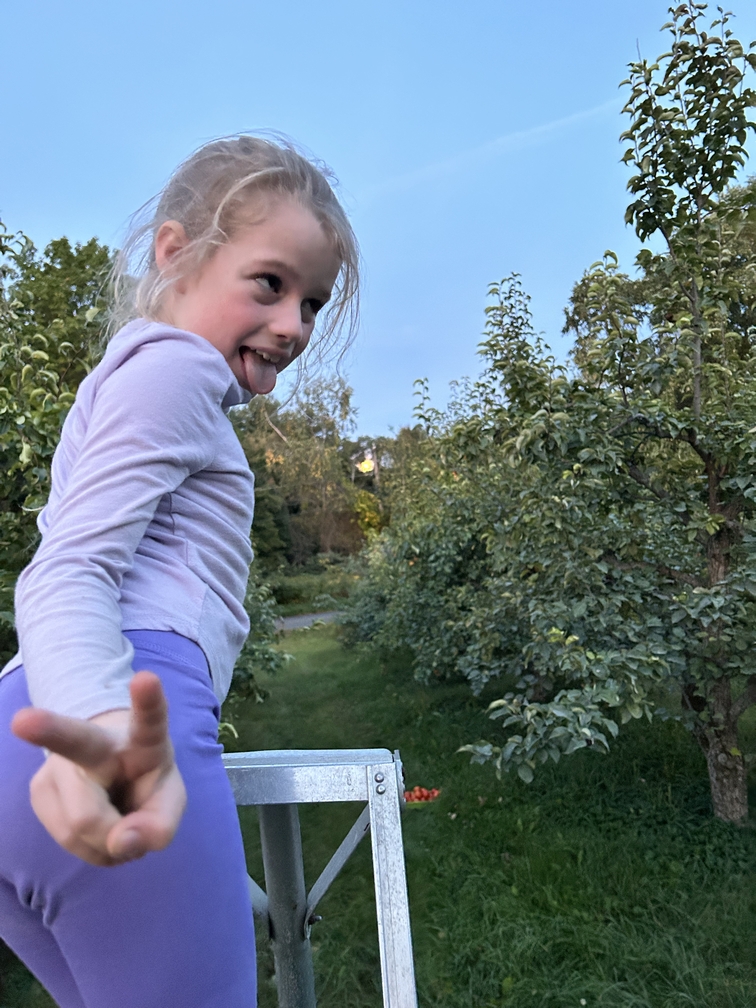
pixel 323 293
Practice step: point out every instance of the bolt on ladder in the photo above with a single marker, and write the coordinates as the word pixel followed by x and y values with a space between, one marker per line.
pixel 279 780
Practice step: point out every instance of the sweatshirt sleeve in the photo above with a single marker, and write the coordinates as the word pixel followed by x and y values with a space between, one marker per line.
pixel 154 421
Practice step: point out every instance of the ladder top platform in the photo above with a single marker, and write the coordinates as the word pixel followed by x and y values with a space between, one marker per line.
pixel 296 776
pixel 307 757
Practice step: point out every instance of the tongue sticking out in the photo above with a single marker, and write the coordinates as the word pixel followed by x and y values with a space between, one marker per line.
pixel 260 374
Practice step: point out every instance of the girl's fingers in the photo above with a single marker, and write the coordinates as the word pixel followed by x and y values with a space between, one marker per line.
pixel 74 809
pixel 153 825
pixel 80 741
pixel 91 745
pixel 149 747
pixel 149 710
pixel 73 793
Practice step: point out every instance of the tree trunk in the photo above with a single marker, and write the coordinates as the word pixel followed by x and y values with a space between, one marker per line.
pixel 718 736
pixel 727 777
pixel 725 763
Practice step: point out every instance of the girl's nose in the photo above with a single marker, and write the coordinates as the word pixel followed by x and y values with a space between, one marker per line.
pixel 287 320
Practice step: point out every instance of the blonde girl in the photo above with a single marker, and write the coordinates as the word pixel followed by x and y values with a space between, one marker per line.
pixel 122 875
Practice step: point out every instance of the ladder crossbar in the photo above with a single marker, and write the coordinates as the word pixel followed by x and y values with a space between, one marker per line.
pixel 294 777
pixel 259 900
pixel 344 851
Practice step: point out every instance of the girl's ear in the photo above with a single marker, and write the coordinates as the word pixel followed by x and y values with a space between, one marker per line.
pixel 170 240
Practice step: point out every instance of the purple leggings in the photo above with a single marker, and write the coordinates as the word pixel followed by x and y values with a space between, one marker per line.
pixel 172 930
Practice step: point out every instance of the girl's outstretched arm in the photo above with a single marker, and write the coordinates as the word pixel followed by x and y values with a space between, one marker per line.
pixel 110 790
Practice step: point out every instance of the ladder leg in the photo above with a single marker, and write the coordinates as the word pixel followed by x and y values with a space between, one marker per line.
pixel 287 904
pixel 392 905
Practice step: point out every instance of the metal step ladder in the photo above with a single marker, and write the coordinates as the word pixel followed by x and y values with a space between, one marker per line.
pixel 278 781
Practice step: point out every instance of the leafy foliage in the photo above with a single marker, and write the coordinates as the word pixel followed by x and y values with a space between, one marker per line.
pixel 49 340
pixel 305 498
pixel 320 492
pixel 589 532
pixel 257 656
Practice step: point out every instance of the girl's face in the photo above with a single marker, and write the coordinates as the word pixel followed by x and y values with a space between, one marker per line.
pixel 257 298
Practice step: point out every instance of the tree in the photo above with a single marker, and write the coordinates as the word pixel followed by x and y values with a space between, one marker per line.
pixel 380 468
pixel 300 457
pixel 50 304
pixel 590 531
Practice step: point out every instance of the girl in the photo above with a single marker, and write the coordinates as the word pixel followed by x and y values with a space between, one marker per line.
pixel 122 884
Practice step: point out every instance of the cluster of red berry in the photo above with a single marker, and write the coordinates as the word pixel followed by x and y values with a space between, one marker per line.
pixel 421 794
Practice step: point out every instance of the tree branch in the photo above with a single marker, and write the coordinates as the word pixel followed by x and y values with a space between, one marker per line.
pixel 692 440
pixel 618 427
pixel 729 511
pixel 282 436
pixel 676 575
pixel 636 473
pixel 639 476
pixel 670 572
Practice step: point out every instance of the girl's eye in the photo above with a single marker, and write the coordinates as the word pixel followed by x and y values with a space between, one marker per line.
pixel 310 309
pixel 270 281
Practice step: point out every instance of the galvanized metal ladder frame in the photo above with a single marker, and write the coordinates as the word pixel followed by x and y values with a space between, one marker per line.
pixel 279 780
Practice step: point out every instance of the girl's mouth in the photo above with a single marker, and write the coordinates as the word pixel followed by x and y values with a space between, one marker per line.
pixel 259 369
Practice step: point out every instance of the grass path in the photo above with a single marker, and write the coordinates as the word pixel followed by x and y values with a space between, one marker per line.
pixel 604 884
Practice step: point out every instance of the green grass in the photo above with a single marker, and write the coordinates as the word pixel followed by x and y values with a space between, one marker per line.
pixel 18 987
pixel 606 881
pixel 324 584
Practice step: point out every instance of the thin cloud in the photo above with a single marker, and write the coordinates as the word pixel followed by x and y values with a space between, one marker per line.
pixel 476 155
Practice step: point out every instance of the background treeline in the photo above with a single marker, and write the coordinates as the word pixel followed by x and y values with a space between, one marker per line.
pixel 320 492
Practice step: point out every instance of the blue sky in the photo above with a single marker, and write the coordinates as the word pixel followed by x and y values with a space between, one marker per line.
pixel 471 140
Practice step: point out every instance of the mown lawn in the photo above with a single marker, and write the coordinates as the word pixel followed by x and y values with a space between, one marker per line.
pixel 605 883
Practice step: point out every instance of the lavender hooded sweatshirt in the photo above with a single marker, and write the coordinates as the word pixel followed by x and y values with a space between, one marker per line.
pixel 147 526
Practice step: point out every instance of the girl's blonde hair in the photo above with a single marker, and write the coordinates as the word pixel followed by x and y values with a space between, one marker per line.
pixel 210 195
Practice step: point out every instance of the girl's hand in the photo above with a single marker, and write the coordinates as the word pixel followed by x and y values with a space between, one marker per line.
pixel 110 789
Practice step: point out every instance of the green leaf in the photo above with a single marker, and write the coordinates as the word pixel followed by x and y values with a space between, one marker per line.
pixel 525 773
